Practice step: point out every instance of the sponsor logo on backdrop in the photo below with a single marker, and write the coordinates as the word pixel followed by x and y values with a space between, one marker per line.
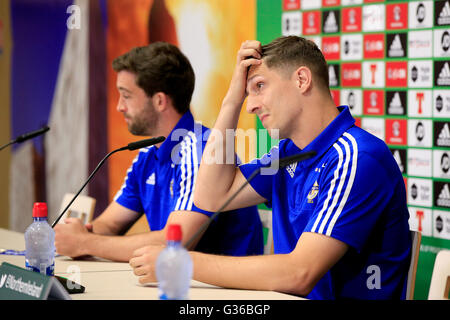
pixel 291 4
pixel 397 16
pixel 396 45
pixel 351 2
pixel 442 13
pixel 441 224
pixel 441 194
pixel 396 74
pixel 333 74
pixel 352 47
pixel 311 22
pixel 419 192
pixel 373 17
pixel 330 3
pixel 420 44
pixel 351 74
pixel 396 103
pixel 441 103
pixel 441 134
pixel 396 131
pixel 419 103
pixel 400 157
pixel 442 73
pixel 373 74
pixel 419 162
pixel 420 74
pixel 442 42
pixel 311 4
pixel 331 21
pixel 374 46
pixel 441 164
pixel 351 19
pixel 420 133
pixel 331 48
pixel 291 23
pixel 373 102
pixel 420 14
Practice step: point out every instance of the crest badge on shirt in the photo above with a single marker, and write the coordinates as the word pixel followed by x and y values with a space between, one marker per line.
pixel 313 192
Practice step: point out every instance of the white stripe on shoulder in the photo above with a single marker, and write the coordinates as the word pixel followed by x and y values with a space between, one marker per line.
pixel 342 180
pixel 332 185
pixel 183 174
pixel 349 184
pixel 195 165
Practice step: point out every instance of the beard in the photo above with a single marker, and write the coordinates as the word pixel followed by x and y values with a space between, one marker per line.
pixel 145 122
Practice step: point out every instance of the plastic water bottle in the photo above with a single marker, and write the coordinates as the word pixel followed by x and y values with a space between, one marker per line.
pixel 40 242
pixel 174 267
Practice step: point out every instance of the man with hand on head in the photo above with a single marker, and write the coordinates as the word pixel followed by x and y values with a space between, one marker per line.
pixel 340 219
pixel 156 83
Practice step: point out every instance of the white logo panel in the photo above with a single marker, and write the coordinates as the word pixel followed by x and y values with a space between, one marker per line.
pixel 373 74
pixel 352 47
pixel 420 133
pixel 420 44
pixel 419 103
pixel 419 192
pixel 419 162
pixel 373 17
pixel 420 14
pixel 291 23
pixel 420 74
pixel 441 103
pixel 441 164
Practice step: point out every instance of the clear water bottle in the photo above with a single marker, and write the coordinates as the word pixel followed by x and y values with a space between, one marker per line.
pixel 40 242
pixel 174 267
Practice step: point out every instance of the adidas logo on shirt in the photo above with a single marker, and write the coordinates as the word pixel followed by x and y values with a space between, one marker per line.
pixel 444 16
pixel 444 197
pixel 151 179
pixel 291 169
pixel 444 76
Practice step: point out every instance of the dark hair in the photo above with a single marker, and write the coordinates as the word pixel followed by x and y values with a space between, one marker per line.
pixel 292 52
pixel 160 67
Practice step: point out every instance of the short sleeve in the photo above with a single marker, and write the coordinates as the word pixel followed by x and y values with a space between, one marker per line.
pixel 352 196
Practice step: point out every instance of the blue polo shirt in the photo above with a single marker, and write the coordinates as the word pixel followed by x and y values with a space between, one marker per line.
pixel 162 180
pixel 353 191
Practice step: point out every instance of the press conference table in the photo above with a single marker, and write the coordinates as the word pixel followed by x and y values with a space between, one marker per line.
pixel 106 280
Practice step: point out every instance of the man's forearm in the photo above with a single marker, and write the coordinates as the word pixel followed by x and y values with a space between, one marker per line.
pixel 218 161
pixel 120 248
pixel 268 272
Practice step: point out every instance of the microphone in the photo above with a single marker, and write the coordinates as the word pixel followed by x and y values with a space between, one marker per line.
pixel 280 163
pixel 26 136
pixel 131 146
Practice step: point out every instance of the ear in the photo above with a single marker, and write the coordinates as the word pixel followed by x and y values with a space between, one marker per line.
pixel 303 77
pixel 160 101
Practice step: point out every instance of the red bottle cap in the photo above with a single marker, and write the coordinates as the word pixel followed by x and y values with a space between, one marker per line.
pixel 174 232
pixel 40 210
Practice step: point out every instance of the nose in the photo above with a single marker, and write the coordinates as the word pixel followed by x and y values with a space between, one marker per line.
pixel 252 105
pixel 120 106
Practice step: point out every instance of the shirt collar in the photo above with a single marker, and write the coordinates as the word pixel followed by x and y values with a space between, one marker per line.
pixel 186 123
pixel 326 138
